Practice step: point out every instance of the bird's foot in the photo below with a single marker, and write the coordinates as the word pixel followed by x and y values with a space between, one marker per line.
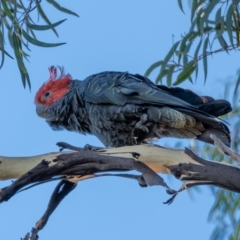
pixel 92 148
pixel 143 125
pixel 63 145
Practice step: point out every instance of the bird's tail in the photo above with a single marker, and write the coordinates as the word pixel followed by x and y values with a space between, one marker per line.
pixel 206 104
pixel 187 124
pixel 209 108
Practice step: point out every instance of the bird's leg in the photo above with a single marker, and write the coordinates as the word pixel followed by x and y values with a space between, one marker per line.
pixel 143 125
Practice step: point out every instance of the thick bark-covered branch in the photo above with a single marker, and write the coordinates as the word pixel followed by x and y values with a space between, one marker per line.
pixel 74 166
pixel 81 163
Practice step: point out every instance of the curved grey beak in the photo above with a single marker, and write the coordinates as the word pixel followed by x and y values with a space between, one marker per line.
pixel 41 110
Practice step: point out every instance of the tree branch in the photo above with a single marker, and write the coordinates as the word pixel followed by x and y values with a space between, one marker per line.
pixel 73 167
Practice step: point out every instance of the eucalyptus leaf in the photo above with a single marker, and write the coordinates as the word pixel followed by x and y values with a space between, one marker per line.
pixel 44 16
pixel 193 9
pixel 186 72
pixel 222 42
pixel 45 27
pixel 205 66
pixel 5 52
pixel 229 17
pixel 2 48
pixel 39 43
pixel 237 83
pixel 185 55
pixel 196 54
pixel 219 22
pixel 236 19
pixel 14 2
pixel 168 56
pixel 195 5
pixel 7 10
pixel 62 9
pixel 169 75
pixel 182 49
pixel 152 67
pixel 180 5
pixel 17 50
pixel 207 10
pixel 171 52
pixel 161 75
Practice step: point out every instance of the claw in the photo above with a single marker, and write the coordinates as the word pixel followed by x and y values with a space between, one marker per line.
pixel 92 148
pixel 140 125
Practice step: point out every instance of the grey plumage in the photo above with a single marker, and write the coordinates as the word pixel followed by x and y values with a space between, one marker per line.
pixel 125 109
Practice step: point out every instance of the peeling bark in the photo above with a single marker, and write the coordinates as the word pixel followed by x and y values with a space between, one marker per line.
pixel 82 164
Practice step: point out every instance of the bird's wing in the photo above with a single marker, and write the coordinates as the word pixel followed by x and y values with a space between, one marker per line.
pixel 121 88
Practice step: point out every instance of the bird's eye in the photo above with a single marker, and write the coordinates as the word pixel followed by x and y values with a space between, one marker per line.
pixel 46 94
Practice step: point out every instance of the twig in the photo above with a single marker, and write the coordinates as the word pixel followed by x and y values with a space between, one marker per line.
pixel 61 191
pixel 225 149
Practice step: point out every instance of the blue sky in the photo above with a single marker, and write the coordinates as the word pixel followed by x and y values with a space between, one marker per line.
pixel 109 35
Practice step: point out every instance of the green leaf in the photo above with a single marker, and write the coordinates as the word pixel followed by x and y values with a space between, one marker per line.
pixel 182 49
pixel 7 10
pixel 62 9
pixel 152 67
pixel 222 43
pixel 235 12
pixel 43 15
pixel 186 72
pixel 14 2
pixel 16 5
pixel 236 19
pixel 10 39
pixel 2 47
pixel 185 54
pixel 229 16
pixel 208 9
pixel 194 22
pixel 195 5
pixel 237 84
pixel 196 54
pixel 39 43
pixel 5 52
pixel 217 16
pixel 205 45
pixel 24 77
pixel 3 18
pixel 193 9
pixel 169 55
pixel 32 33
pixel 44 27
pixel 219 23
pixel 190 78
pixel 180 5
pixel 161 75
pixel 222 27
pixel 171 52
pixel 17 50
pixel 169 75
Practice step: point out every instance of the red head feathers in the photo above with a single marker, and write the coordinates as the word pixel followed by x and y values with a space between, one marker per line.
pixel 54 89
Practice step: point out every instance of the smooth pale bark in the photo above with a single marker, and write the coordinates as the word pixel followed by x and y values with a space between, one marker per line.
pixel 156 158
pixel 15 167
